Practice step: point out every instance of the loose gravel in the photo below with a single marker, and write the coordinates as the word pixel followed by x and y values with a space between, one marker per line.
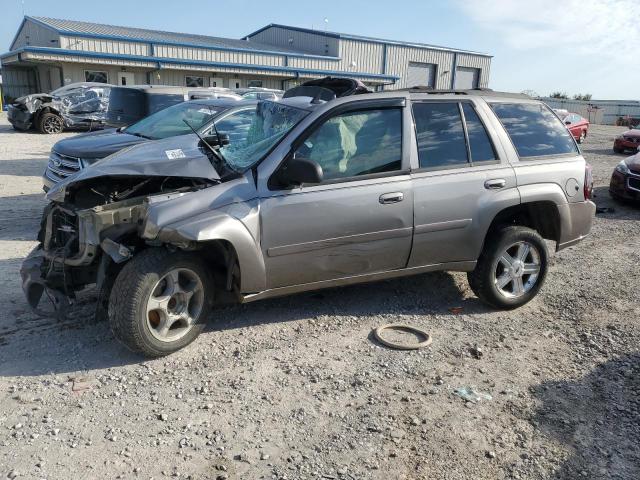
pixel 296 388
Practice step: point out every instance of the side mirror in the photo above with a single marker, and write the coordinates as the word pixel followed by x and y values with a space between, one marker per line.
pixel 217 140
pixel 297 171
pixel 567 122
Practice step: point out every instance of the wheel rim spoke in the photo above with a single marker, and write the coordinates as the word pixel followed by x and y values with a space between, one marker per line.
pixel 175 304
pixel 517 269
pixel 523 251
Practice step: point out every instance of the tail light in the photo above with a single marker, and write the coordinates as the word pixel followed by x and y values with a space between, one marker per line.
pixel 588 182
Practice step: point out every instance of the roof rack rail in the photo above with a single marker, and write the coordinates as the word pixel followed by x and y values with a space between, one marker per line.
pixel 428 89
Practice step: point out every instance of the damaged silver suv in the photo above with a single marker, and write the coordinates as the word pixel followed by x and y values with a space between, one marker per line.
pixel 325 189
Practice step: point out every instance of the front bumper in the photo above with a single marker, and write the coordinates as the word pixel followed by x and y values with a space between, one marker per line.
pixel 21 119
pixel 34 285
pixel 625 186
pixel 622 144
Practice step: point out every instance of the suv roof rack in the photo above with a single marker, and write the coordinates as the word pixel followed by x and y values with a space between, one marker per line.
pixel 472 91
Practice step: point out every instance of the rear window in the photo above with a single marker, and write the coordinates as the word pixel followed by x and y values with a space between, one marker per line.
pixel 534 130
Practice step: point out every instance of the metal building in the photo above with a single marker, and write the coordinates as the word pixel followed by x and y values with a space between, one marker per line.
pixel 47 53
pixel 606 112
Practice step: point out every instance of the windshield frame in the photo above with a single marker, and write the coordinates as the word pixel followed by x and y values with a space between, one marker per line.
pixel 217 111
pixel 257 162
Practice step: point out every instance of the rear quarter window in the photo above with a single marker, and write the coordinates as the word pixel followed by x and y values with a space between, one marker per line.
pixel 534 130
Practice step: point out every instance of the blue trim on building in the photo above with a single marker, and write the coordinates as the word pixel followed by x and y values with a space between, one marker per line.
pixel 175 61
pixel 361 38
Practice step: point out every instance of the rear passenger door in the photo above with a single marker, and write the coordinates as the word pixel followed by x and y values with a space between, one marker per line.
pixel 461 180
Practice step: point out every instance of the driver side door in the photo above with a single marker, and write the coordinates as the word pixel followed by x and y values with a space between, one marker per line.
pixel 359 219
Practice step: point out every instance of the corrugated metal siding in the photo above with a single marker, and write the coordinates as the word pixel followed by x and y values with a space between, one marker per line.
pixel 479 62
pixel 361 56
pixel 315 44
pixel 177 77
pixel 610 110
pixel 104 46
pixel 18 82
pixel 202 54
pixel 36 35
pixel 398 59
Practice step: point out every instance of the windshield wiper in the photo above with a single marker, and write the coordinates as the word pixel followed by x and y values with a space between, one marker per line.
pixel 216 154
pixel 146 137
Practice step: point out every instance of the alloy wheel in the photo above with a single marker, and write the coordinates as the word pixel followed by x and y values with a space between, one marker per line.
pixel 175 303
pixel 52 125
pixel 517 269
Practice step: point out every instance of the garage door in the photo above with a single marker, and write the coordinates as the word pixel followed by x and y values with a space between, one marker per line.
pixel 421 74
pixel 467 78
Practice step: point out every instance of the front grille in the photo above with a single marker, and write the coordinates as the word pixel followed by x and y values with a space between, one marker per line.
pixel 632 139
pixel 634 183
pixel 61 166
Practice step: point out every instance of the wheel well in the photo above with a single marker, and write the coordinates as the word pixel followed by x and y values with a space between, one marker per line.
pixel 222 259
pixel 540 216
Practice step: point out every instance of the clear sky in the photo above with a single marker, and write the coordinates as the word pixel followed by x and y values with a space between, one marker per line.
pixel 574 46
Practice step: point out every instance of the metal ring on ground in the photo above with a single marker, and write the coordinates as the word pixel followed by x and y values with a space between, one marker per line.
pixel 404 328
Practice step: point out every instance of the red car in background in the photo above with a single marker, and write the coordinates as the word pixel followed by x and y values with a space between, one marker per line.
pixel 577 125
pixel 629 140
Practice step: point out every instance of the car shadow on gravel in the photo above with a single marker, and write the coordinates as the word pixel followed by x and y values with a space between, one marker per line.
pixel 80 343
pixel 597 418
pixel 427 294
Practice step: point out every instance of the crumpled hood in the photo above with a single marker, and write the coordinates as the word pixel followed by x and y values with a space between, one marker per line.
pixel 34 101
pixel 171 157
pixel 93 146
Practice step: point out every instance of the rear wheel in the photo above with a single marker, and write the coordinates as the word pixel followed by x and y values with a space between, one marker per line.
pixel 160 301
pixel 511 269
pixel 50 123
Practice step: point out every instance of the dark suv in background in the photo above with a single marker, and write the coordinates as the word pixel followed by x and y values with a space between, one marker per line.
pixel 71 155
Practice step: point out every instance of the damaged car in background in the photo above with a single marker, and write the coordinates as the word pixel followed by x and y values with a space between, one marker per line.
pixel 78 105
pixel 330 186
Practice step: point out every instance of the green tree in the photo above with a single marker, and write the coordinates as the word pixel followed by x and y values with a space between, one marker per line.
pixel 559 95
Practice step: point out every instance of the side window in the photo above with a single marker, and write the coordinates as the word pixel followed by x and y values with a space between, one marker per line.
pixel 534 130
pixel 441 142
pixel 356 143
pixel 236 126
pixel 479 142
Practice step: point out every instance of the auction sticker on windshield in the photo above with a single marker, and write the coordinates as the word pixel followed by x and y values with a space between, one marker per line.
pixel 173 154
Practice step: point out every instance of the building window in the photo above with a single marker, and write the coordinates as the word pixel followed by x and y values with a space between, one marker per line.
pixel 254 84
pixel 96 76
pixel 191 81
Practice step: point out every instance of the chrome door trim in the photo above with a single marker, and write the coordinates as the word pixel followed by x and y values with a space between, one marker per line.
pixel 442 226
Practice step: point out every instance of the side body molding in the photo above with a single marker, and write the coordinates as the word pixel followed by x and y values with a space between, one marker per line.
pixel 237 224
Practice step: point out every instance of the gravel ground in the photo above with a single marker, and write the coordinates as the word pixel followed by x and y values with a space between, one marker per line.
pixel 295 388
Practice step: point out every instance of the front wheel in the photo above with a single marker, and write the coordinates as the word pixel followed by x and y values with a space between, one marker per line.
pixel 50 123
pixel 511 268
pixel 160 301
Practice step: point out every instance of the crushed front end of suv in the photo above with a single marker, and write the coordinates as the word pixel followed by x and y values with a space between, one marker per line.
pixel 78 105
pixel 329 186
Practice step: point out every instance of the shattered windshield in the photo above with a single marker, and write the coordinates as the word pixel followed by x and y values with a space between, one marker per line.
pixel 170 121
pixel 271 122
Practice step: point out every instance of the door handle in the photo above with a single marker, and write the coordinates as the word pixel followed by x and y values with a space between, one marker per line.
pixel 495 184
pixel 395 197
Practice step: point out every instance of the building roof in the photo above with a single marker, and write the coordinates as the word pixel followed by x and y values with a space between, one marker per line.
pixel 349 36
pixel 76 28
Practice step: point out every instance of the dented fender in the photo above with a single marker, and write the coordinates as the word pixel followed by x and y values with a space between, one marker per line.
pixel 237 224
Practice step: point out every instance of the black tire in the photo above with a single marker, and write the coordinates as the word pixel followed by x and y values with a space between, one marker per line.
pixel 50 123
pixel 131 292
pixel 618 150
pixel 583 135
pixel 481 280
